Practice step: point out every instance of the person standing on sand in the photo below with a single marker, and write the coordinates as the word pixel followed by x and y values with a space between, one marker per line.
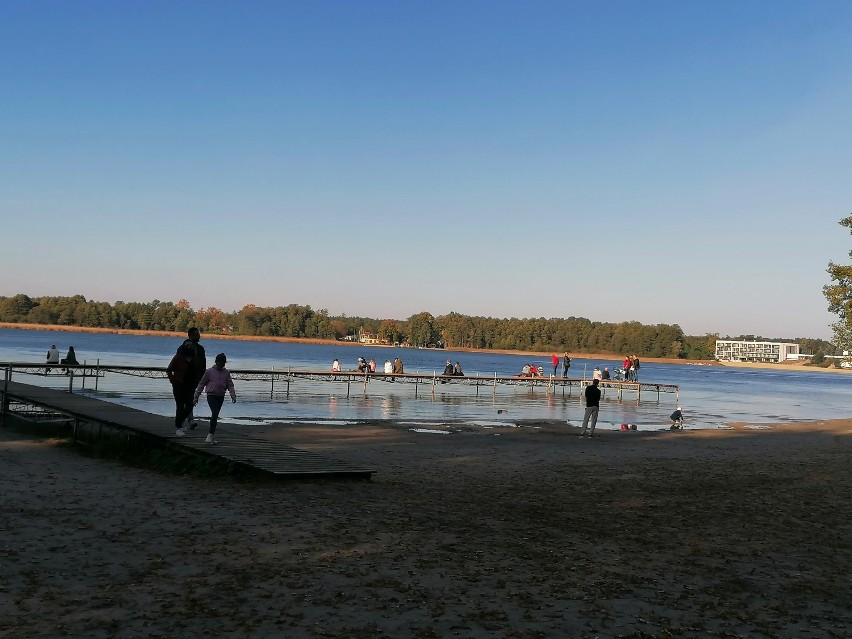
pixel 593 400
pixel 217 380
pixel 182 376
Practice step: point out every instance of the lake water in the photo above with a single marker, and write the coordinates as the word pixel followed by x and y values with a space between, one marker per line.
pixel 711 396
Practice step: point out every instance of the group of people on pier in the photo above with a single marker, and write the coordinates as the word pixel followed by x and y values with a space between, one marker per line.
pixel 363 366
pixel 53 359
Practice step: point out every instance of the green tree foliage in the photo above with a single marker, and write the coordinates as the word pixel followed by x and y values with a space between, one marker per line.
pixel 839 296
pixel 421 330
pixel 454 330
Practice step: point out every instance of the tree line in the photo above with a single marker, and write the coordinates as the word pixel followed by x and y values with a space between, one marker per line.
pixel 454 330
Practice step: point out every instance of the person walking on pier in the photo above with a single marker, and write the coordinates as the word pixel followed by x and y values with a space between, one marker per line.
pixel 217 380
pixel 593 400
pixel 182 376
pixel 555 361
pixel 199 366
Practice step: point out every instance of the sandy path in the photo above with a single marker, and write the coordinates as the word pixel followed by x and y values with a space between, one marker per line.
pixel 515 533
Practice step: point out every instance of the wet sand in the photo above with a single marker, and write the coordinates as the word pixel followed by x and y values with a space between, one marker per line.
pixel 529 532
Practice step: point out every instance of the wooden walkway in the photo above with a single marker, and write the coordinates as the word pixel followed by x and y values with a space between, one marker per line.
pixel 281 379
pixel 236 448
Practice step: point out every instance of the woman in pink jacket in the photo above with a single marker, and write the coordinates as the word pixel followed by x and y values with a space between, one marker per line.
pixel 217 381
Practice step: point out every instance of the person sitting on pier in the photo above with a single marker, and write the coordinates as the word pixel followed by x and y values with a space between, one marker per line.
pixel 525 371
pixel 335 366
pixel 605 374
pixel 448 371
pixel 52 358
pixel 388 367
pixel 596 374
pixel 70 359
pixel 398 366
pixel 363 366
pixel 457 370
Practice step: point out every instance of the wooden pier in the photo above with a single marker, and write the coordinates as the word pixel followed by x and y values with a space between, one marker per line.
pixel 92 418
pixel 282 379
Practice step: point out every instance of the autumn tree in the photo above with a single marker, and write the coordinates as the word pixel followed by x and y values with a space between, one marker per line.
pixel 839 296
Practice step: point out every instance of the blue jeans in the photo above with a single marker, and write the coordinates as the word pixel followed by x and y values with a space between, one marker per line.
pixel 215 403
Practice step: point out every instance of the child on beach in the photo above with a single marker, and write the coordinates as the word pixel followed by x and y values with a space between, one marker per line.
pixel 217 380
pixel 677 419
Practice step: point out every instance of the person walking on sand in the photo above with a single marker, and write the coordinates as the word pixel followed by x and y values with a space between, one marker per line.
pixel 593 400
pixel 182 377
pixel 217 380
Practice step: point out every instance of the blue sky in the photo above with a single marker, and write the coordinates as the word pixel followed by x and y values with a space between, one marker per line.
pixel 665 162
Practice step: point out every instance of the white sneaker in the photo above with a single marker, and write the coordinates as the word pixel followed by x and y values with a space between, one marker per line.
pixel 210 439
pixel 180 432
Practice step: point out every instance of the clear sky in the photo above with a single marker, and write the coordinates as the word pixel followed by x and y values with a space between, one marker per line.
pixel 665 162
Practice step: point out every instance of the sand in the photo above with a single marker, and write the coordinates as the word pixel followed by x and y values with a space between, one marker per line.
pixel 529 532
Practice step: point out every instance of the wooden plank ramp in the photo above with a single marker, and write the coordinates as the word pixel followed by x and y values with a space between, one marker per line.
pixel 253 452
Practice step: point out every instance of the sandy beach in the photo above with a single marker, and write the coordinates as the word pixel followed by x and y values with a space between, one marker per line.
pixel 529 532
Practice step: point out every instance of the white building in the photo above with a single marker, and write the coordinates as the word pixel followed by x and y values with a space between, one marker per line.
pixel 751 351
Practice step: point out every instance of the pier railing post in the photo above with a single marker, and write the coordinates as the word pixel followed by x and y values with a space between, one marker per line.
pixel 4 401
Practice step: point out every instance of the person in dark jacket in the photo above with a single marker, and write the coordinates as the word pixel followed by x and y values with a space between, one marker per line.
pixel 181 373
pixel 199 359
pixel 593 400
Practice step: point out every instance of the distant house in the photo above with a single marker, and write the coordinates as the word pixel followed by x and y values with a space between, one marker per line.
pixel 366 337
pixel 753 351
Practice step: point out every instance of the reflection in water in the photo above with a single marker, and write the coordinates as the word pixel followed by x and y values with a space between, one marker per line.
pixel 390 407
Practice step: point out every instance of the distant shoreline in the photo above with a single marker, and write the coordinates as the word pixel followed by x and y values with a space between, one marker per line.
pixel 332 342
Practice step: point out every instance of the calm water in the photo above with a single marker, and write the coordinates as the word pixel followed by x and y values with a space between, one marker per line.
pixel 710 396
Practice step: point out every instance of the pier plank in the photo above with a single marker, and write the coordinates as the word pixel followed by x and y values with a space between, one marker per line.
pixel 248 450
